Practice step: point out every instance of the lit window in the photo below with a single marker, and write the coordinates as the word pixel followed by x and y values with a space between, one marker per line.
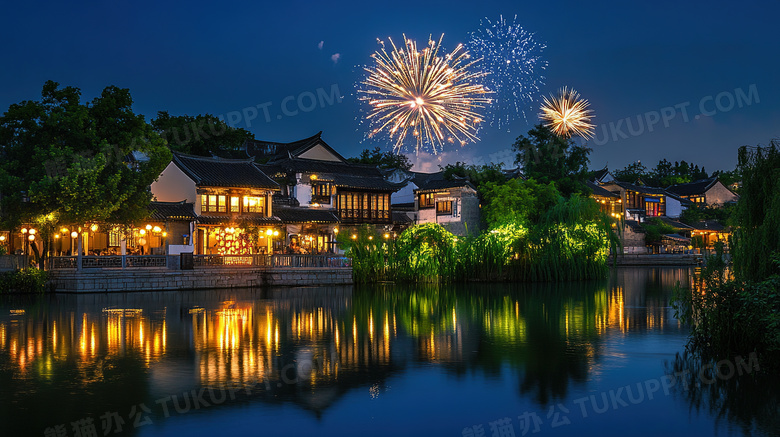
pixel 444 207
pixel 426 200
pixel 234 204
pixel 254 204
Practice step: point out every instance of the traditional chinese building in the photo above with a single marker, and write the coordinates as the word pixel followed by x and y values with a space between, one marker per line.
pixel 609 202
pixel 452 203
pixel 641 202
pixel 320 184
pixel 706 192
pixel 232 199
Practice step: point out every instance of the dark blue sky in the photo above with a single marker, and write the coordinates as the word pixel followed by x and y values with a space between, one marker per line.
pixel 629 59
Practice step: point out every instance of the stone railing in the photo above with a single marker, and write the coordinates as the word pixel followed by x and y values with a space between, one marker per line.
pixel 230 260
pixel 12 262
pixel 109 262
pixel 304 261
pixel 200 261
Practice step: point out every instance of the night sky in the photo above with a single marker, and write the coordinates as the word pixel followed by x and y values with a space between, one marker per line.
pixel 629 59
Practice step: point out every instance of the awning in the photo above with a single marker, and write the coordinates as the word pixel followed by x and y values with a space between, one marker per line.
pixel 677 237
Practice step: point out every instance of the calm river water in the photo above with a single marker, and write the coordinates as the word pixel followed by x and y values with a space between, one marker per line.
pixel 480 360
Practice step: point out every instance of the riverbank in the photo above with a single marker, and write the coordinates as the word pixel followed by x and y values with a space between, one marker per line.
pixel 665 259
pixel 161 279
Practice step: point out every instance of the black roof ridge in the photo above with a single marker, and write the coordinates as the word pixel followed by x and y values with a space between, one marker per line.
pixel 163 202
pixel 198 177
pixel 280 143
pixel 711 179
pixel 250 160
pixel 356 164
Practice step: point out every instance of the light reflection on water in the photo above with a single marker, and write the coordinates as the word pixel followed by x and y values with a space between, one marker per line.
pixel 317 350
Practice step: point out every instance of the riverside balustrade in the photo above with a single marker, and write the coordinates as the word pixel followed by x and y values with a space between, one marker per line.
pixel 199 261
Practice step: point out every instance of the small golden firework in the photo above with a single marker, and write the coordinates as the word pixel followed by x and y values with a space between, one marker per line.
pixel 567 114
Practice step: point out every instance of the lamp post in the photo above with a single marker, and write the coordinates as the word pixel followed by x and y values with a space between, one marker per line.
pixel 24 241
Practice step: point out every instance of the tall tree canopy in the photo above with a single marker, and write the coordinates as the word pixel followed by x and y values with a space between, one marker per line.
pixel 547 157
pixel 517 202
pixel 383 160
pixel 70 161
pixel 663 174
pixel 479 175
pixel 757 237
pixel 203 135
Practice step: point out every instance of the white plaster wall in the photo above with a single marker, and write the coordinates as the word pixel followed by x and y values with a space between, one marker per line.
pixel 173 185
pixel 404 195
pixel 303 190
pixel 320 153
pixel 719 194
pixel 673 207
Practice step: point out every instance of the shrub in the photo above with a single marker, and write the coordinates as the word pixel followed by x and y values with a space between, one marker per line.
pixel 28 280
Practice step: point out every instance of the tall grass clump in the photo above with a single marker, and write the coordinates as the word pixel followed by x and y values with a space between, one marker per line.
pixel 571 242
pixel 492 255
pixel 737 310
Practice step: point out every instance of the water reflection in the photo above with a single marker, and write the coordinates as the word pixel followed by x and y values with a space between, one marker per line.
pixel 736 393
pixel 90 354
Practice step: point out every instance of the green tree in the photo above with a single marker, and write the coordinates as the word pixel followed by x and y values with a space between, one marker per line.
pixel 477 174
pixel 547 157
pixel 631 172
pixel 728 178
pixel 757 237
pixel 201 135
pixel 517 201
pixel 384 160
pixel 72 159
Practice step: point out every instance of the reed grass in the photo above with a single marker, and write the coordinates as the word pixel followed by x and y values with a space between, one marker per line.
pixel 571 242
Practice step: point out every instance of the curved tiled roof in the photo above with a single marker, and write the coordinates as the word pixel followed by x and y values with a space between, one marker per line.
pixel 219 220
pixel 443 184
pixel 693 188
pixel 172 211
pixel 340 174
pixel 599 191
pixel 221 172
pixel 305 215
pixel 276 150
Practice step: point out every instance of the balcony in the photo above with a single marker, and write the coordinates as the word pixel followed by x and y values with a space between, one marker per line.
pixel 352 216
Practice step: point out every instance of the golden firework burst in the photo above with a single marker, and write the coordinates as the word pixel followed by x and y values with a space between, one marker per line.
pixel 430 96
pixel 567 114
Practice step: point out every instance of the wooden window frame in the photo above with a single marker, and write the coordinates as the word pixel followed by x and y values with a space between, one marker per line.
pixel 444 211
pixel 426 200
